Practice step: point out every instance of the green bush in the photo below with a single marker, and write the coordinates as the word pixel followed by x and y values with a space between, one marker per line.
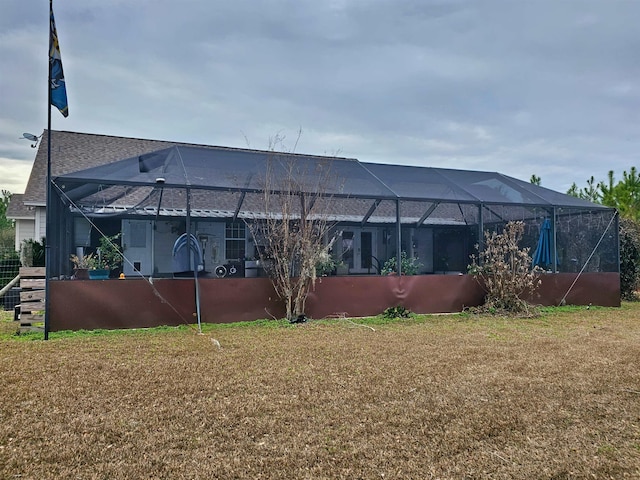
pixel 397 312
pixel 325 264
pixel 9 254
pixel 109 256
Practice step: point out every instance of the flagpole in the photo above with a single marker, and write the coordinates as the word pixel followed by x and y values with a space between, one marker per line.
pixel 48 260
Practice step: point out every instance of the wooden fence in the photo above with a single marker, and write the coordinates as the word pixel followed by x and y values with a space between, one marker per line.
pixel 30 312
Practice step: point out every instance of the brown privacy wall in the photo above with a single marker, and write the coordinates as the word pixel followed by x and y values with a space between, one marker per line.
pixel 601 289
pixel 135 303
pixel 365 296
pixel 138 303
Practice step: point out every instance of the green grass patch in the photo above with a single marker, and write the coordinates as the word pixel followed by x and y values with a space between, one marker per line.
pixel 548 318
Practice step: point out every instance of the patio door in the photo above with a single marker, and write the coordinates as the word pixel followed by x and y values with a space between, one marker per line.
pixel 137 247
pixel 359 250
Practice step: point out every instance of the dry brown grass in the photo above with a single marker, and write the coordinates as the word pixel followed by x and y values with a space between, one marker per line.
pixel 441 397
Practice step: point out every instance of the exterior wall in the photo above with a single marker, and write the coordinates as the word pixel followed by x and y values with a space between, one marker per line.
pixel 82 232
pixel 438 249
pixel 40 229
pixel 165 235
pixel 136 303
pixel 25 230
pixel 210 235
pixel 422 246
pixel 212 240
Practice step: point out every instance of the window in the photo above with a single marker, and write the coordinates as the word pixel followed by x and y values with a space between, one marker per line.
pixel 235 234
pixel 82 233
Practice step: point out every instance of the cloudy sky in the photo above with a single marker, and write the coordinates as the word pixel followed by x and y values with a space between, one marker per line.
pixel 545 87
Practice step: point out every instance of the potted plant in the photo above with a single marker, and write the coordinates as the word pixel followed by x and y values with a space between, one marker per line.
pixel 110 251
pixel 342 268
pixel 81 265
pixel 106 258
pixel 98 267
pixel 325 264
pixel 409 265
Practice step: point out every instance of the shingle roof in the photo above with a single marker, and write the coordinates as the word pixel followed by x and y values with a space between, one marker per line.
pixel 17 209
pixel 72 151
pixel 87 154
pixel 218 168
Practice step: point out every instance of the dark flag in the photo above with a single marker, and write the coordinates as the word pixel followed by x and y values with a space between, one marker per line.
pixel 58 87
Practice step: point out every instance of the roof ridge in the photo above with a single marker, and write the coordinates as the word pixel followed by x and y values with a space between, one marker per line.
pixel 202 145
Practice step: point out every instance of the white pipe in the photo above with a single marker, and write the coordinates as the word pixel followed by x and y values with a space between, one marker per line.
pixel 8 286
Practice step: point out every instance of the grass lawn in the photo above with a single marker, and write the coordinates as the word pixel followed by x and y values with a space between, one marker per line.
pixel 449 396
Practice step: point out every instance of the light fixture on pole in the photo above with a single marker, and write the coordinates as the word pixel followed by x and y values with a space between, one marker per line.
pixel 31 137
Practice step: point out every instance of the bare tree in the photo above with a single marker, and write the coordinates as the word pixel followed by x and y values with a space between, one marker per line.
pixel 292 229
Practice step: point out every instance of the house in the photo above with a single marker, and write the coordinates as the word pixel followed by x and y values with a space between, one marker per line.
pixel 154 192
pixel 70 152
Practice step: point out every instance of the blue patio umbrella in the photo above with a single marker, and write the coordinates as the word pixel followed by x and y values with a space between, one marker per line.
pixel 542 254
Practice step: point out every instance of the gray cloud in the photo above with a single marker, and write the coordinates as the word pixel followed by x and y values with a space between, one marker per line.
pixel 545 87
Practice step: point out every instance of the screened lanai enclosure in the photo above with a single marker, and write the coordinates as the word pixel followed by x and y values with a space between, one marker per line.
pixel 188 215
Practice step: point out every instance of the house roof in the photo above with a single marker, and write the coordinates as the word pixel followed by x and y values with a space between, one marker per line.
pixel 17 209
pixel 72 151
pixel 222 169
pixel 219 168
pixel 122 173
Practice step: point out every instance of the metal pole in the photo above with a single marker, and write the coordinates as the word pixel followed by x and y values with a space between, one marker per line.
pixel 480 230
pixel 554 252
pixel 617 233
pixel 48 258
pixel 398 238
pixel 192 263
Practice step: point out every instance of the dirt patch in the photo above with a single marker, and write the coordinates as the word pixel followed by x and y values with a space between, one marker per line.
pixel 439 397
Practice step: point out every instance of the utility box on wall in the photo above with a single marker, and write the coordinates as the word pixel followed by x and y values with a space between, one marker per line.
pixel 251 268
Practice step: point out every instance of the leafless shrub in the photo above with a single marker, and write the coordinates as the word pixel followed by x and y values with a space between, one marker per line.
pixel 504 270
pixel 294 224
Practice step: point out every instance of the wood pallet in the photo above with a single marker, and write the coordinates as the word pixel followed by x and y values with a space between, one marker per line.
pixel 30 312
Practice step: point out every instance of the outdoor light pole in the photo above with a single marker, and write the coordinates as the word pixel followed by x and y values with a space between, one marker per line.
pixel 55 81
pixel 48 260
pixel 48 257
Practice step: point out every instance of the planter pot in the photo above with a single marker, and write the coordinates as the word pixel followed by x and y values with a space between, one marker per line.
pixel 342 270
pixel 81 274
pixel 98 274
